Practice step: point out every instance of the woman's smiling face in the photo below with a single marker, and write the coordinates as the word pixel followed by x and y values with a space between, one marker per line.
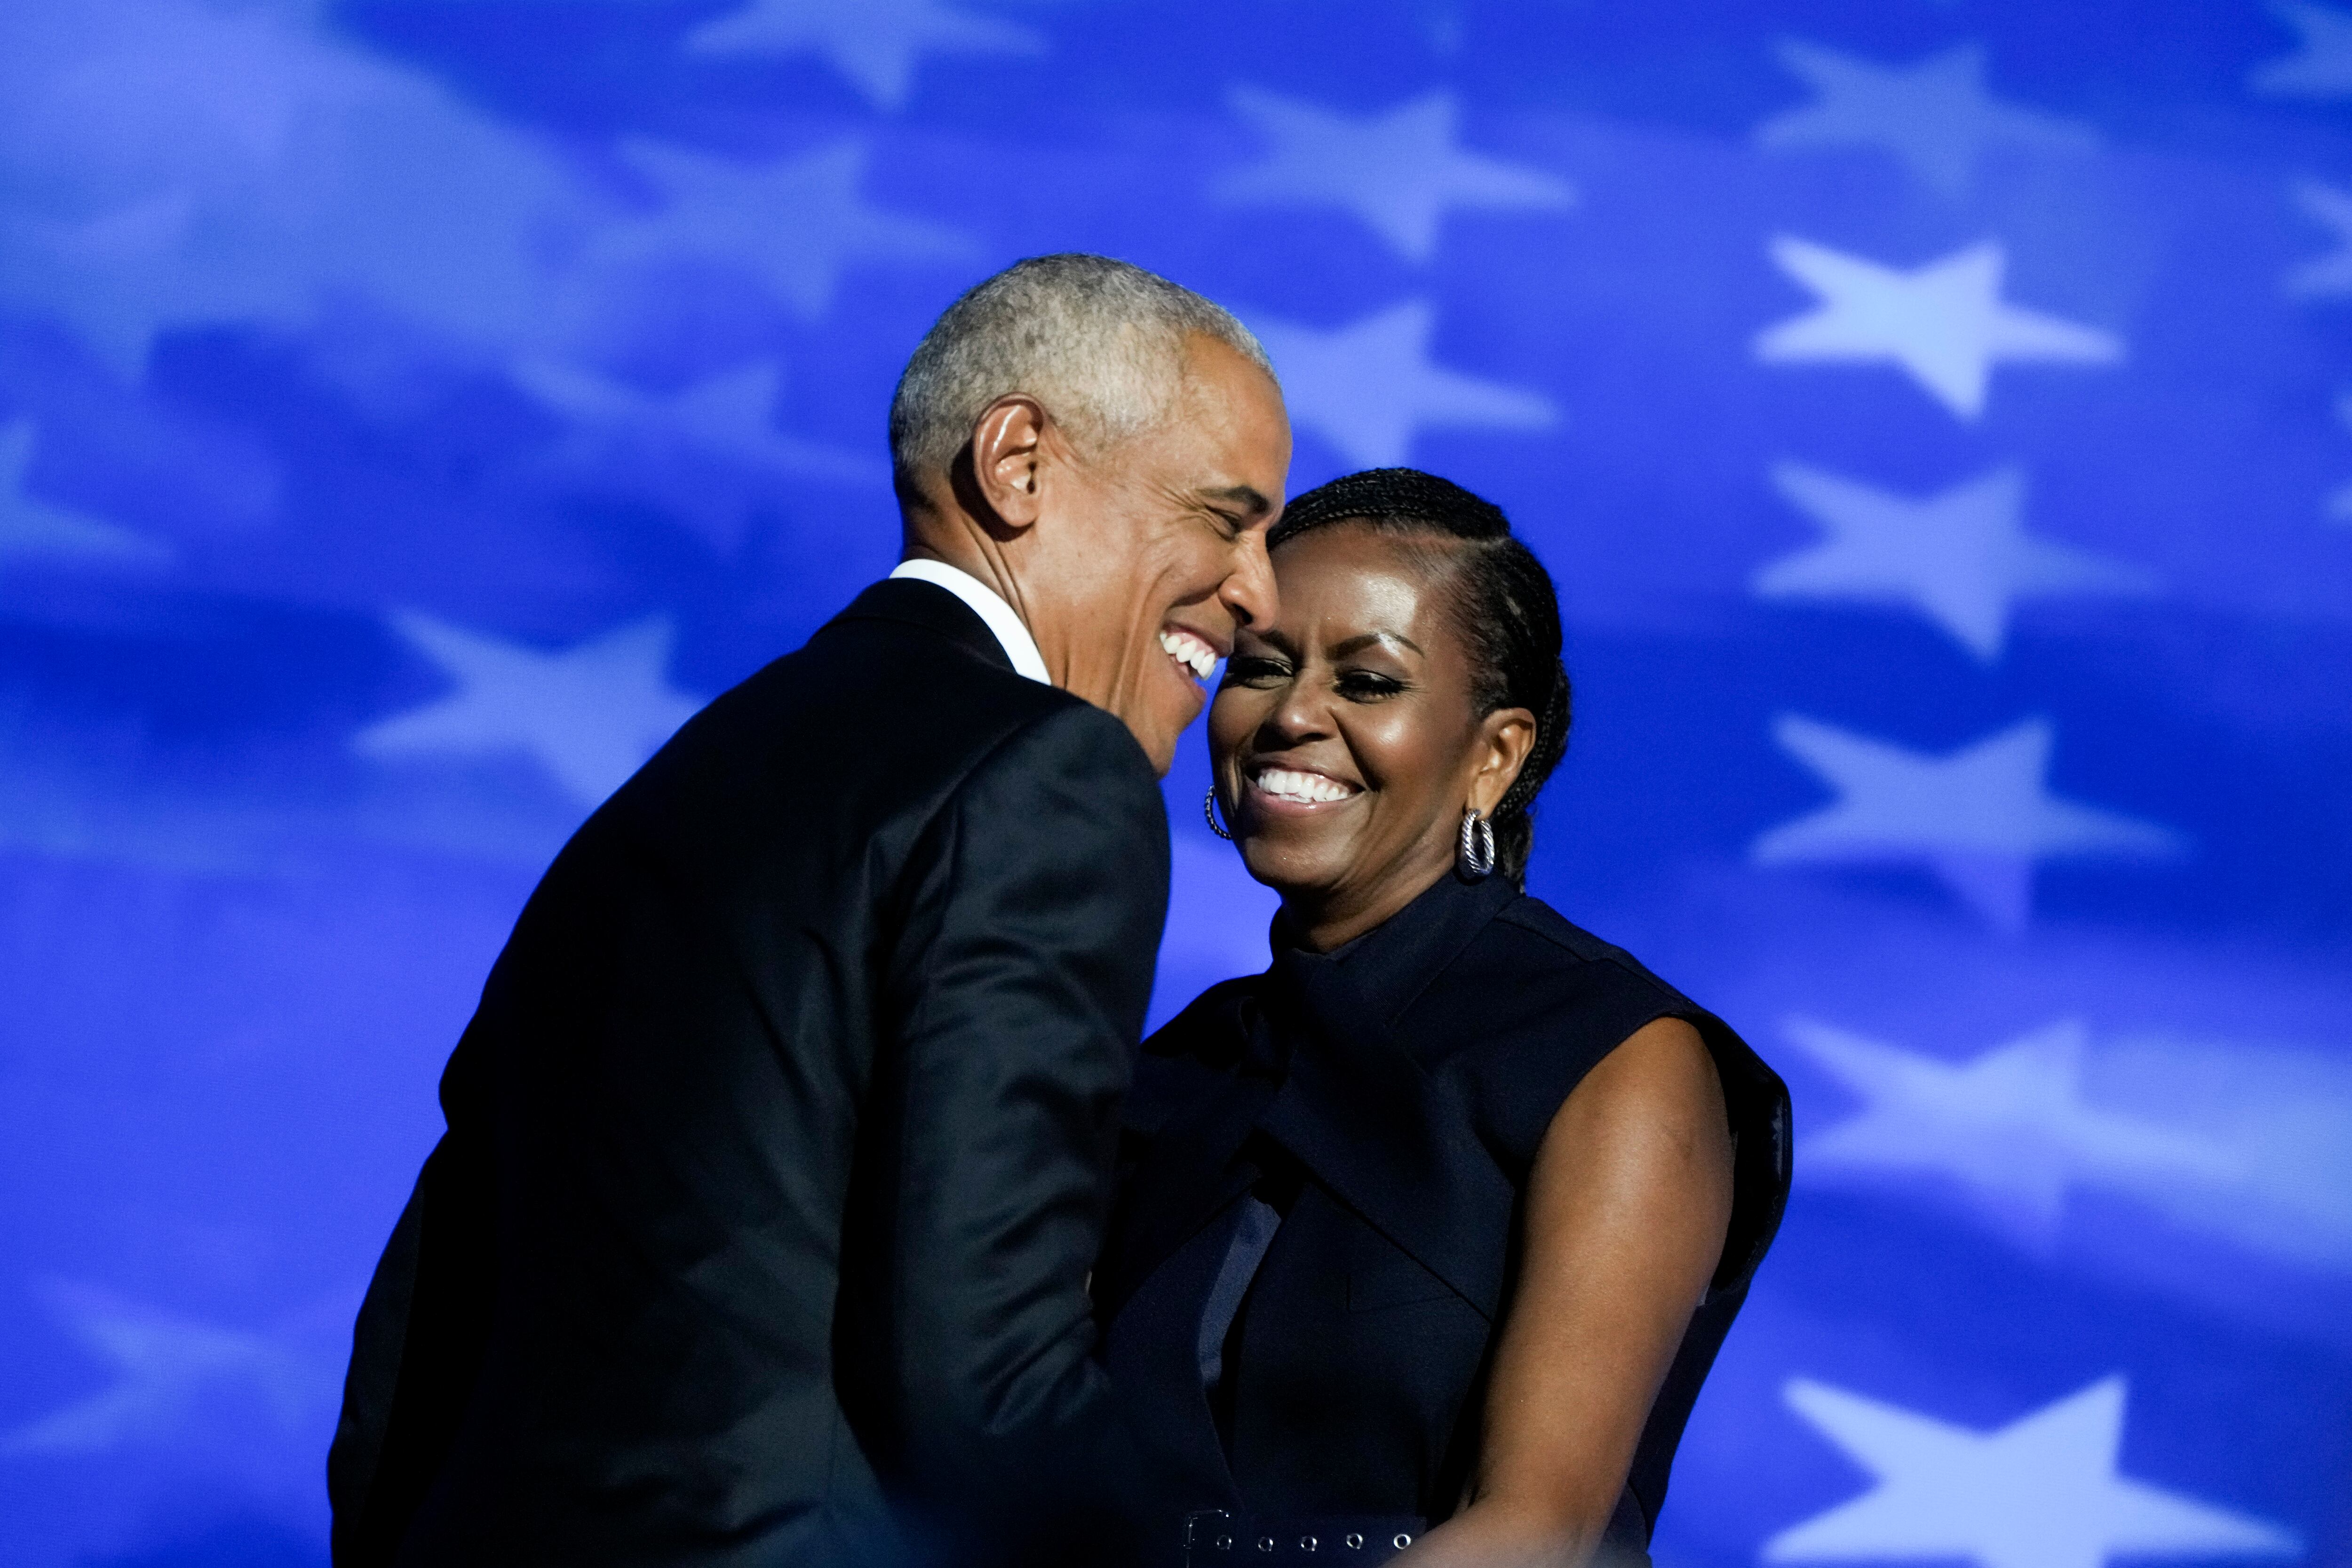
pixel 1344 733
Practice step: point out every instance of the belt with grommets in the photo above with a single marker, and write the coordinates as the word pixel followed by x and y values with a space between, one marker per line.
pixel 1217 1539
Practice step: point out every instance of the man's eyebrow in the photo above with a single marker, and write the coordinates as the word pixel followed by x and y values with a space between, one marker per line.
pixel 1341 650
pixel 1246 496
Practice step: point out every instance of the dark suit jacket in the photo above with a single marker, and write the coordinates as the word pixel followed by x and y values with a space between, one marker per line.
pixel 778 1148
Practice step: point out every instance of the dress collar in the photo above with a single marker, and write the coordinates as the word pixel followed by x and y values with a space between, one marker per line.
pixel 1321 1071
pixel 1392 963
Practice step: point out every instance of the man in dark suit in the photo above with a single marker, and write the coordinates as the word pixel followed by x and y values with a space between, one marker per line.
pixel 777 1150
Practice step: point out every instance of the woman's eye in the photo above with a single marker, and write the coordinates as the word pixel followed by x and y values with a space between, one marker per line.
pixel 1364 686
pixel 1242 672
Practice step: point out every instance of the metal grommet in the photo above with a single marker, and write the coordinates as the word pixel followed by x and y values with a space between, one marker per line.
pixel 1353 1542
pixel 1265 1543
pixel 1222 1543
pixel 1307 1543
pixel 1402 1542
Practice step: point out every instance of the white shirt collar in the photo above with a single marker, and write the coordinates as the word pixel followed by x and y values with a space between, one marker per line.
pixel 1010 633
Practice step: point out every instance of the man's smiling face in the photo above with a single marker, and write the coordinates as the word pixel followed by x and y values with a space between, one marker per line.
pixel 1172 562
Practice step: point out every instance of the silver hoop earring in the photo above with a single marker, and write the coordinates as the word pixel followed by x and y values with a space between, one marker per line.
pixel 1475 859
pixel 1209 810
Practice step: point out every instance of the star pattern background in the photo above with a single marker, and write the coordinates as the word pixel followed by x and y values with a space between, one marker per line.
pixel 1936 416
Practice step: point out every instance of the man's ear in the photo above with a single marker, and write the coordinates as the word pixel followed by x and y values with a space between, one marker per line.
pixel 1007 459
pixel 1506 737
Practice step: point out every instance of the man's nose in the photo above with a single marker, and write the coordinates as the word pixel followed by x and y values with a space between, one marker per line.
pixel 1248 589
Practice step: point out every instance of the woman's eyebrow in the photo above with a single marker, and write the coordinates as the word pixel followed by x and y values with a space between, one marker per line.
pixel 1270 637
pixel 1341 650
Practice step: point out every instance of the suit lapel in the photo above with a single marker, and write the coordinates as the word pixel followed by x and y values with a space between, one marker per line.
pixel 1187 1169
pixel 1188 1172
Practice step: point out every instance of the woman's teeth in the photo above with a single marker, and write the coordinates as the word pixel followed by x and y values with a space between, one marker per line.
pixel 1189 651
pixel 1289 784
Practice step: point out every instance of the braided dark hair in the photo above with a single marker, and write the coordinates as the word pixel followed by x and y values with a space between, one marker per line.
pixel 1503 602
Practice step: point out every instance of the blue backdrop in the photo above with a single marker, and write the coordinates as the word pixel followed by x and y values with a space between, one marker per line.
pixel 1938 417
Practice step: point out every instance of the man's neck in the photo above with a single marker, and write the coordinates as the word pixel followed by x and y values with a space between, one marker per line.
pixel 980 580
pixel 988 573
pixel 957 539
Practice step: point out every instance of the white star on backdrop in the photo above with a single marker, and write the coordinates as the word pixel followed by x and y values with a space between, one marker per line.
pixel 2338 508
pixel 163 1367
pixel 2009 1126
pixel 177 165
pixel 590 715
pixel 730 415
pixel 32 528
pixel 1369 388
pixel 1935 116
pixel 1978 817
pixel 174 120
pixel 797 224
pixel 690 449
pixel 1400 171
pixel 2323 66
pixel 2045 1492
pixel 1945 323
pixel 1961 557
pixel 876 44
pixel 2332 273
pixel 123 276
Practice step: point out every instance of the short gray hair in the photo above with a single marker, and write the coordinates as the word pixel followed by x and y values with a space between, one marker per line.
pixel 1099 344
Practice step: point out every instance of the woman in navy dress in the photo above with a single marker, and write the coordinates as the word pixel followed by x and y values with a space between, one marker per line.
pixel 1426 1236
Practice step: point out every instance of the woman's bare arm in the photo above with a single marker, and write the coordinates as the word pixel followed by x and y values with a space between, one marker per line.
pixel 1626 1210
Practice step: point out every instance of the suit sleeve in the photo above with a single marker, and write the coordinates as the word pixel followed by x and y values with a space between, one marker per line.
pixel 1017 993
pixel 416 1350
pixel 378 1339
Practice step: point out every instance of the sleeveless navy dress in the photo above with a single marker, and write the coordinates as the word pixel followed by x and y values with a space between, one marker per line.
pixel 1315 1236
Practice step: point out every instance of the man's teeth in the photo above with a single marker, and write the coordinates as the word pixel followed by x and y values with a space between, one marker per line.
pixel 1190 651
pixel 1289 784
